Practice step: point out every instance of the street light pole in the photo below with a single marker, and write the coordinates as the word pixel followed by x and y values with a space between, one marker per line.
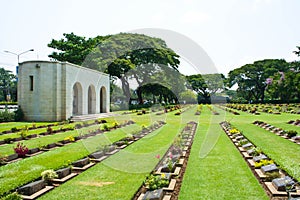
pixel 18 54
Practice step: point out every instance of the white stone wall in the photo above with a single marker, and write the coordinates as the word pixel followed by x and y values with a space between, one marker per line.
pixel 52 95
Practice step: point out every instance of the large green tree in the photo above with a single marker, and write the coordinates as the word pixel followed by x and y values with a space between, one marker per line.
pixel 251 79
pixel 132 57
pixel 206 85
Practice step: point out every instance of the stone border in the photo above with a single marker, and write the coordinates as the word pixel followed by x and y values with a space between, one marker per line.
pixel 173 189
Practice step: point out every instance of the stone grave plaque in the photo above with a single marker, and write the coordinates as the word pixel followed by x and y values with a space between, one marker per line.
pixel 166 176
pixel 81 162
pixel 239 137
pixel 244 140
pixel 11 157
pixel 236 135
pixel 61 173
pixel 260 157
pixel 269 168
pixel 165 167
pixel 154 195
pixel 34 150
pixel 245 146
pixel 281 183
pixel 175 157
pixel 31 188
pixel 297 138
pixel 96 155
pixel 251 152
pixel 49 146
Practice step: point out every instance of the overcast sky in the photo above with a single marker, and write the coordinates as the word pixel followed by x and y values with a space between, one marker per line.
pixel 232 32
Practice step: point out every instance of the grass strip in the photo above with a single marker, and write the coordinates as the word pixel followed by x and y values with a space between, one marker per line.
pixel 223 173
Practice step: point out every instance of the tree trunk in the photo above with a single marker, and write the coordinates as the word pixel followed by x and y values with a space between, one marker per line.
pixel 125 88
pixel 139 94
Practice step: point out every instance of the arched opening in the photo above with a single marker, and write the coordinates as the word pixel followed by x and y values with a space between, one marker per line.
pixel 103 100
pixel 91 100
pixel 77 99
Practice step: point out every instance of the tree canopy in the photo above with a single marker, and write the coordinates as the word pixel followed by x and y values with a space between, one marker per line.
pixel 251 78
pixel 206 85
pixel 73 48
pixel 8 85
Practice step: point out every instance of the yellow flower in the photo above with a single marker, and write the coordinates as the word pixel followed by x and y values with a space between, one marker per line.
pixel 163 175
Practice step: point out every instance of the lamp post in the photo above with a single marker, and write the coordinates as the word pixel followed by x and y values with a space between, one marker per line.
pixel 18 54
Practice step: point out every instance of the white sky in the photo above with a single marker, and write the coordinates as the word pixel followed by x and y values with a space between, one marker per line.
pixel 232 32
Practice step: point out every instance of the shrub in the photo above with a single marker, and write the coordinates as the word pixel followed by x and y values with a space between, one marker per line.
pixel 6 116
pixel 242 142
pixel 18 115
pixel 105 127
pixel 272 175
pixel 7 140
pixel 14 129
pixel 263 163
pixel 48 175
pixel 156 181
pixel 234 131
pixel 23 133
pixel 116 125
pixel 78 126
pixel 33 126
pixel 85 124
pixel 70 138
pixel 291 133
pixel 21 149
pixel 49 130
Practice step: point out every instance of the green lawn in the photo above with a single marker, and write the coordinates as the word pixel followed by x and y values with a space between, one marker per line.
pixel 120 176
pixel 222 173
pixel 215 169
pixel 24 171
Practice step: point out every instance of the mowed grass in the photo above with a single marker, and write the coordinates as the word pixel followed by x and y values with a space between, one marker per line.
pixel 7 126
pixel 21 172
pixel 215 170
pixel 284 152
pixel 8 149
pixel 222 173
pixel 121 175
